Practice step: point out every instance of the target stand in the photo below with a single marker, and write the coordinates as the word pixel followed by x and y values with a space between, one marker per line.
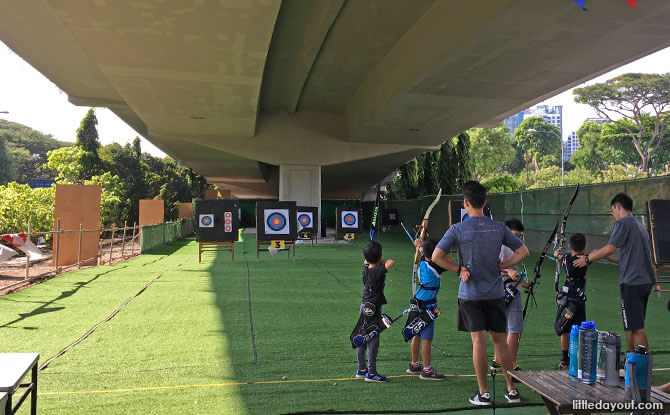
pixel 348 221
pixel 659 227
pixel 221 246
pixel 308 236
pixel 262 246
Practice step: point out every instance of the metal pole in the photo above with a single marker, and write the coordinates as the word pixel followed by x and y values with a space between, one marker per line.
pixel 81 234
pixel 123 242
pixel 111 243
pixel 57 241
pixel 132 251
pixel 562 158
pixel 27 254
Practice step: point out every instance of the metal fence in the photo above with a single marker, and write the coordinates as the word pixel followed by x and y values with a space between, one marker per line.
pixel 115 244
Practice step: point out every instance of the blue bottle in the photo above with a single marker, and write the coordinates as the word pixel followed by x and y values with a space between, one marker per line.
pixel 573 351
pixel 588 349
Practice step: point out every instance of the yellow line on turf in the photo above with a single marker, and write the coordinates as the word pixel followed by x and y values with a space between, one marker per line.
pixel 210 385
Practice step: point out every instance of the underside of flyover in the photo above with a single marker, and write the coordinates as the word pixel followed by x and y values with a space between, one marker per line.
pixel 235 89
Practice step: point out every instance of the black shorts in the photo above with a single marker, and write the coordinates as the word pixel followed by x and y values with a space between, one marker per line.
pixel 478 315
pixel 634 300
pixel 577 319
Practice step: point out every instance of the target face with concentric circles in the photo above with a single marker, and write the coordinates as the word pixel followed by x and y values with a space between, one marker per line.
pixel 276 221
pixel 304 220
pixel 349 219
pixel 207 221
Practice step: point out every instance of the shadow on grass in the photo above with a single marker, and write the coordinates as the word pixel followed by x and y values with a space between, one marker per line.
pixel 44 308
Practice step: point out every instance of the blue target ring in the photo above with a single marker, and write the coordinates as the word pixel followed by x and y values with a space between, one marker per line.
pixel 349 219
pixel 276 221
pixel 206 220
pixel 304 220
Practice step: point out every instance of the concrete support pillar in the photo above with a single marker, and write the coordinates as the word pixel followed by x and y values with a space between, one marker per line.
pixel 300 183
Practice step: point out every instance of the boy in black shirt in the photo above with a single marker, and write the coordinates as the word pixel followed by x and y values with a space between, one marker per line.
pixel 374 277
pixel 571 299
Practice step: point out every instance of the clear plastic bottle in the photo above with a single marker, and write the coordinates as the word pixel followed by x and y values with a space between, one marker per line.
pixel 588 349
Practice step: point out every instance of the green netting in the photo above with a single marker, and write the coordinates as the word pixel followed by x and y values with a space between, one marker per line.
pixel 541 209
pixel 160 233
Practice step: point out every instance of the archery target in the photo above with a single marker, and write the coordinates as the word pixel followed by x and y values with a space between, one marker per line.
pixel 276 221
pixel 349 219
pixel 305 219
pixel 228 221
pixel 206 220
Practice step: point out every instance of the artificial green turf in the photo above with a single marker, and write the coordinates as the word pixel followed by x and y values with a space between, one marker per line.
pixel 184 345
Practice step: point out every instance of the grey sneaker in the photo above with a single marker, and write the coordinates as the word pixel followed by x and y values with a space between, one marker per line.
pixel 432 375
pixel 414 370
pixel 513 396
pixel 481 400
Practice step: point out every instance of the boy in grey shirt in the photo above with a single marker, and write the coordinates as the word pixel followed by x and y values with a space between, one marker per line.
pixel 630 241
pixel 481 303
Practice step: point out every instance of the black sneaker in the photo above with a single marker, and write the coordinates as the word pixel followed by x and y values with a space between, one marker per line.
pixel 432 375
pixel 481 400
pixel 517 369
pixel 513 396
pixel 563 365
pixel 414 370
pixel 495 365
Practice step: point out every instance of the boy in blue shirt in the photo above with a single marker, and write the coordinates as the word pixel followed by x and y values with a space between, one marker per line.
pixel 426 294
pixel 481 302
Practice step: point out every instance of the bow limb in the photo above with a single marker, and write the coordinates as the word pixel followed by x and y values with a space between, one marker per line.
pixel 560 238
pixel 424 226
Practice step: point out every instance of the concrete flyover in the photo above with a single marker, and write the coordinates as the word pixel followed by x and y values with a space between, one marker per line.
pixel 269 98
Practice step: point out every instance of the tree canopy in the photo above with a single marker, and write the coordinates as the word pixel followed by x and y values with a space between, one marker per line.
pixel 632 97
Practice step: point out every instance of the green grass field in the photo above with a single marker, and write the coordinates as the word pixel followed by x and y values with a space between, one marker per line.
pixel 184 345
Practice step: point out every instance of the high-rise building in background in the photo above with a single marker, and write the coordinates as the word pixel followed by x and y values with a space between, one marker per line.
pixel 571 145
pixel 597 120
pixel 552 115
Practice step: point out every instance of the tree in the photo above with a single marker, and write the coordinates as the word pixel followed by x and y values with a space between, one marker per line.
pixel 500 184
pixel 20 204
pixel 632 96
pixel 5 164
pixel 491 149
pixel 447 168
pixel 621 149
pixel 26 150
pixel 541 147
pixel 113 207
pixel 591 154
pixel 427 173
pixel 67 161
pixel 87 139
pixel 463 160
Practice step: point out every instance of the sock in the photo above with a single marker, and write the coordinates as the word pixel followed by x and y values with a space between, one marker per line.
pixel 416 364
pixel 427 369
pixel 566 358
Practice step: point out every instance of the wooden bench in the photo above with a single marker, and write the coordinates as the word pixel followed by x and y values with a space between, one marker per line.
pixel 13 368
pixel 559 391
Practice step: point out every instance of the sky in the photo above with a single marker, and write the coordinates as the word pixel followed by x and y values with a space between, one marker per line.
pixel 33 100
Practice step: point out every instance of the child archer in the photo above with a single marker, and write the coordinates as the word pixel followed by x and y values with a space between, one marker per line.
pixel 571 300
pixel 426 296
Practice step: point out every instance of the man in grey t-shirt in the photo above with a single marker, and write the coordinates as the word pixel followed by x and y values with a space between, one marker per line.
pixel 481 303
pixel 631 243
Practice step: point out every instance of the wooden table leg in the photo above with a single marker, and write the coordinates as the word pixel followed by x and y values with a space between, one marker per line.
pixel 553 410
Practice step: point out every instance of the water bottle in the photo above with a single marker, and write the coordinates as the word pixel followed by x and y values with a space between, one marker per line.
pixel 637 374
pixel 612 353
pixel 601 366
pixel 573 351
pixel 588 344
